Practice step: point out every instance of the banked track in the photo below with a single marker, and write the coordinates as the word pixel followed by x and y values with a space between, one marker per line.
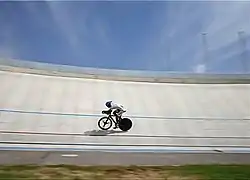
pixel 192 113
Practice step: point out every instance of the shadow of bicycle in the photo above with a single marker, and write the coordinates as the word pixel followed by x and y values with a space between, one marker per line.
pixel 102 132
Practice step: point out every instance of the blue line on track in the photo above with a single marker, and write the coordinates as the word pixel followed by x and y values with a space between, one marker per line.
pixel 100 115
pixel 120 145
pixel 48 113
pixel 138 150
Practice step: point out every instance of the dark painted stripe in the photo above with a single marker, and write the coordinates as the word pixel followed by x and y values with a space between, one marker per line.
pixel 124 135
pixel 61 149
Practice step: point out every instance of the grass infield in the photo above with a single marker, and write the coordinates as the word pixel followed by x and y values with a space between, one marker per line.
pixel 66 172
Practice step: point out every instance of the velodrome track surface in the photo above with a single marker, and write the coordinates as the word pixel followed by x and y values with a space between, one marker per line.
pixel 40 112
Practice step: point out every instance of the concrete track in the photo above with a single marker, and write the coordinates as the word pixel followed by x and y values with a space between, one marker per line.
pixel 64 110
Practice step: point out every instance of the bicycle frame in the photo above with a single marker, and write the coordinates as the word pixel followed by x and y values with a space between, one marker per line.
pixel 112 119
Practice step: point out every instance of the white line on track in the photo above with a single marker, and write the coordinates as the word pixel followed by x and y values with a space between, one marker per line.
pixel 69 155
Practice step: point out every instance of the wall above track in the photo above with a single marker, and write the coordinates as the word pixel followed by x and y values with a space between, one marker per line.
pixel 121 75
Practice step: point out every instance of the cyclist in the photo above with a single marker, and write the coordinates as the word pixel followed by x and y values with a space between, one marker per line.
pixel 118 110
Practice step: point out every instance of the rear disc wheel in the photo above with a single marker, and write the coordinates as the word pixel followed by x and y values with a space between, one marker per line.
pixel 125 124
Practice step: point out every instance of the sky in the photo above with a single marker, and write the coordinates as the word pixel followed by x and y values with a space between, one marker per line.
pixel 130 35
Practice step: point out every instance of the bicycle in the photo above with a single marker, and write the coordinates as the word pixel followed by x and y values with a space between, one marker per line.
pixel 123 123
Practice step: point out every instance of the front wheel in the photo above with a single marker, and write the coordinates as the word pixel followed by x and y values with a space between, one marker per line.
pixel 103 122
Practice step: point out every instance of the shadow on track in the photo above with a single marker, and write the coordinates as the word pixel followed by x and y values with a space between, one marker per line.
pixel 101 132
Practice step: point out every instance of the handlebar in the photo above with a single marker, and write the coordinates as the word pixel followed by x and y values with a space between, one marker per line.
pixel 108 112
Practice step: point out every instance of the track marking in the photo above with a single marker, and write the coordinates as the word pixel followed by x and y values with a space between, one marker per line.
pixel 69 155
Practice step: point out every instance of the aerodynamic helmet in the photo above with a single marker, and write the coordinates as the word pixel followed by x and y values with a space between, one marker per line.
pixel 108 104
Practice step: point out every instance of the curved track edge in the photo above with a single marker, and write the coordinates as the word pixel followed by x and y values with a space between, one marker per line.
pixel 120 75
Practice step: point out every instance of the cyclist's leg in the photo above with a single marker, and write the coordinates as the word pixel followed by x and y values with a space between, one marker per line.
pixel 117 118
pixel 118 115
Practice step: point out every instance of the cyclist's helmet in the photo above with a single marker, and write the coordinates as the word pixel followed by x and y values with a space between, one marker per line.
pixel 108 104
